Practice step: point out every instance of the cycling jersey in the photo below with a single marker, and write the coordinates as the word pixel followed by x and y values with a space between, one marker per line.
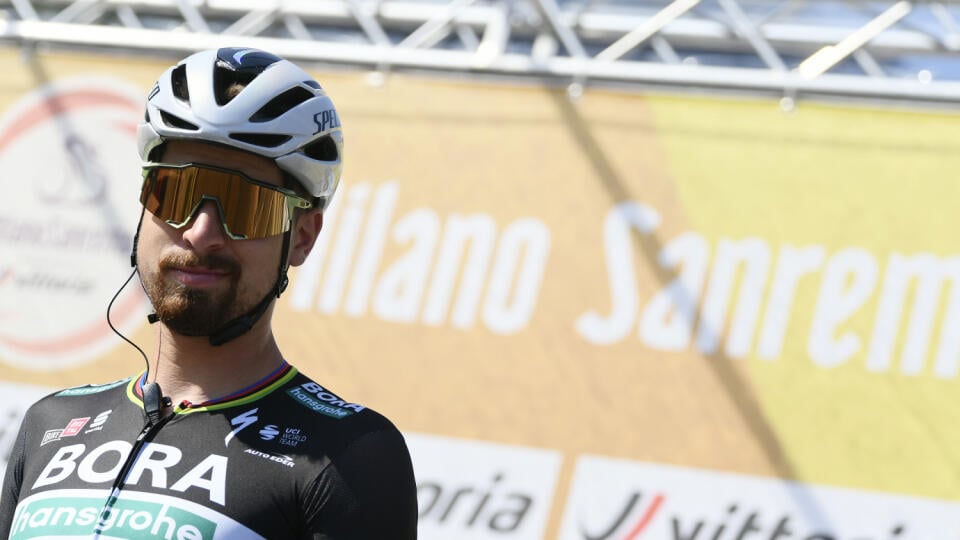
pixel 288 459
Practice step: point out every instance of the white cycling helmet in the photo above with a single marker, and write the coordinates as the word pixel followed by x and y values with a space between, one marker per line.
pixel 280 113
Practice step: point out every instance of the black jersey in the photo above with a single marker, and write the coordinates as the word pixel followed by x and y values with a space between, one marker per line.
pixel 286 460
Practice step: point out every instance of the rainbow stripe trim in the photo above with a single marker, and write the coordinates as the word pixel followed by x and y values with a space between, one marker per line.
pixel 255 391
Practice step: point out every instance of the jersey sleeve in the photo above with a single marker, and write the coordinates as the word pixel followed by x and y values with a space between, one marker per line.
pixel 12 480
pixel 366 493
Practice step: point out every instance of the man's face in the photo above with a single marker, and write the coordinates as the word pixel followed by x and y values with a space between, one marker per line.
pixel 197 277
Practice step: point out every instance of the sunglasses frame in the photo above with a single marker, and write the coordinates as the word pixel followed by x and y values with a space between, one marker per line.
pixel 292 199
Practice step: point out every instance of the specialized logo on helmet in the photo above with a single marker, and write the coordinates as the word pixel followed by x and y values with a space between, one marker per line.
pixel 326 120
pixel 66 221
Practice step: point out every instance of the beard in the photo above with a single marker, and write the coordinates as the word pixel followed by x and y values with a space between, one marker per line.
pixel 194 312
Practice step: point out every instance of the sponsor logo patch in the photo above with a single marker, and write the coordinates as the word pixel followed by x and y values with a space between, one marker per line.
pixel 316 398
pixel 73 428
pixel 98 422
pixel 286 461
pixel 269 432
pixel 74 516
pixel 75 513
pixel 241 422
pixel 292 437
pixel 475 490
pixel 613 499
pixel 90 389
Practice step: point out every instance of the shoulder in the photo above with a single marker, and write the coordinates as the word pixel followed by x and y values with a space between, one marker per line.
pixel 342 422
pixel 66 412
pixel 67 399
pixel 367 483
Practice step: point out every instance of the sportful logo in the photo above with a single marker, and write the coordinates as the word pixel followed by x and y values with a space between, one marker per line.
pixel 73 428
pixel 618 500
pixel 98 422
pixel 314 397
pixel 66 229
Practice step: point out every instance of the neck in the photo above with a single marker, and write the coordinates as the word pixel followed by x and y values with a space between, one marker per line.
pixel 190 369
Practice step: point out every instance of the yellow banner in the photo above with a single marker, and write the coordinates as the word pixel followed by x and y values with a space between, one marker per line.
pixel 710 283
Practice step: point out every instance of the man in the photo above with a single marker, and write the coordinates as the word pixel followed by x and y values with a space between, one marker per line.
pixel 242 152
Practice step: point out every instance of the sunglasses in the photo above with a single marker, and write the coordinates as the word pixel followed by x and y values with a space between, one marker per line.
pixel 248 208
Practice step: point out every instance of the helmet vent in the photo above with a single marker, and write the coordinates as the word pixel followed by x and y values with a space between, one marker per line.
pixel 178 82
pixel 228 82
pixel 323 149
pixel 264 140
pixel 281 104
pixel 177 122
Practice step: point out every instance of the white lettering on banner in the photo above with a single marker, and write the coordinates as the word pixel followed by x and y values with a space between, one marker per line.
pixel 500 273
pixel 667 323
pixel 731 289
pixel 102 463
pixel 615 499
pixel 620 272
pixel 472 490
pixel 792 264
pixel 848 281
pixel 931 275
pixel 736 297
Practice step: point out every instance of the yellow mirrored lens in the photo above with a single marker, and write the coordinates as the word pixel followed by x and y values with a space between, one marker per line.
pixel 248 210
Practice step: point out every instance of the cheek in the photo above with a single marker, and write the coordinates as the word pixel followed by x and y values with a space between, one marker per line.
pixel 260 259
pixel 153 237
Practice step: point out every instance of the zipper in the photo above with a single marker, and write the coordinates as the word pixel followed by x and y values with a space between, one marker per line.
pixel 146 435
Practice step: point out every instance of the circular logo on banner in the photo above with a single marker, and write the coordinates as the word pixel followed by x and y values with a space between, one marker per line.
pixel 68 211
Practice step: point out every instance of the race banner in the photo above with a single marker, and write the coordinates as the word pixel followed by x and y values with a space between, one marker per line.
pixel 572 307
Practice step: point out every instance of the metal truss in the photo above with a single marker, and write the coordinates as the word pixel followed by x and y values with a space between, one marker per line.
pixel 902 51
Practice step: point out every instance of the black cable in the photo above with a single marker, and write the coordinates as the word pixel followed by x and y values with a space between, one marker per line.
pixel 117 332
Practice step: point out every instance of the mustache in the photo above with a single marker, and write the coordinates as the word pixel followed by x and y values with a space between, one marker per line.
pixel 188 259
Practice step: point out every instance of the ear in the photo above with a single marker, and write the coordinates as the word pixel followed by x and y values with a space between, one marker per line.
pixel 305 234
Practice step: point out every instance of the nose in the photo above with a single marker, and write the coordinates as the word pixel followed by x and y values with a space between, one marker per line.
pixel 205 231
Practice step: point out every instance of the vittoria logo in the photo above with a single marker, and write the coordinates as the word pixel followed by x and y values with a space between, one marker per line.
pixel 73 428
pixel 473 490
pixel 619 500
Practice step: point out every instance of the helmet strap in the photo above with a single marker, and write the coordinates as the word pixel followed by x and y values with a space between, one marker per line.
pixel 242 324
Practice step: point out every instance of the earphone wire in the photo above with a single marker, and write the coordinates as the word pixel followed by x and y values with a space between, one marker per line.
pixel 117 332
